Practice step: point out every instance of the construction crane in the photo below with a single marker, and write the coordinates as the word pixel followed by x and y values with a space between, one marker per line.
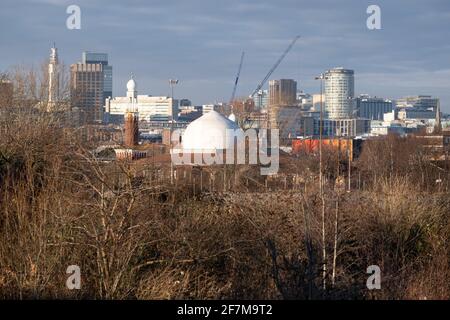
pixel 237 78
pixel 261 84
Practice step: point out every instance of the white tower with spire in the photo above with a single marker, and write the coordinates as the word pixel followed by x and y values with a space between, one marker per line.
pixel 131 115
pixel 132 93
pixel 53 79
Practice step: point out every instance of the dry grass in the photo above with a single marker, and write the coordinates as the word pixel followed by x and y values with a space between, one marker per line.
pixel 134 236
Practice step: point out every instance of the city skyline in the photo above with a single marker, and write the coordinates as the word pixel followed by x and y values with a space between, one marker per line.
pixel 218 154
pixel 200 43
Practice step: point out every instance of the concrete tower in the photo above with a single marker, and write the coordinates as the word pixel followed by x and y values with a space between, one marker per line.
pixel 131 116
pixel 339 93
pixel 53 79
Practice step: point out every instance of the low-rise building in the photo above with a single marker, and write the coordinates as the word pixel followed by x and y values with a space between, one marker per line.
pixel 373 108
pixel 416 114
pixel 342 127
pixel 423 102
pixel 149 108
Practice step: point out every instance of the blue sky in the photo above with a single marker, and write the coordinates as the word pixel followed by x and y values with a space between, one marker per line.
pixel 200 42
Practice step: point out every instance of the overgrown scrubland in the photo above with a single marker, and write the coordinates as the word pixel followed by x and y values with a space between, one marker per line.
pixel 136 236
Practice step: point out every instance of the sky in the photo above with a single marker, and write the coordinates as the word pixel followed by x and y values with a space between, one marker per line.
pixel 200 42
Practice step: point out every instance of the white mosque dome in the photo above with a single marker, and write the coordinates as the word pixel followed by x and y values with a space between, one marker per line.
pixel 232 117
pixel 209 133
pixel 131 85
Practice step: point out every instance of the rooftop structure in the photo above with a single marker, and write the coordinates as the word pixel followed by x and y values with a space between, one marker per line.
pixel 209 133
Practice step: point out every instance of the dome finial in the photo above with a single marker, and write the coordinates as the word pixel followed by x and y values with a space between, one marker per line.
pixel 131 84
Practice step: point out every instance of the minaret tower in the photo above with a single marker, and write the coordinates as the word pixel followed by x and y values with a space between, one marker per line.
pixel 131 116
pixel 53 75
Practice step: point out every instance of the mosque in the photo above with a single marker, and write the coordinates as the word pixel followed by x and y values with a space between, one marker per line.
pixel 150 108
pixel 211 139
pixel 207 140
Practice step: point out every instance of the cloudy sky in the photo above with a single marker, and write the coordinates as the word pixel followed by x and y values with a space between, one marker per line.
pixel 200 42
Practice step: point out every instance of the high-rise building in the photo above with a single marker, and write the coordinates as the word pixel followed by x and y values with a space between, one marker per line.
pixel 86 90
pixel 339 93
pixel 91 84
pixel 102 58
pixel 282 93
pixel 53 79
pixel 373 108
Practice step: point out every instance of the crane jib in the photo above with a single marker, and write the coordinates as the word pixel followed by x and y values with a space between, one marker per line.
pixel 261 84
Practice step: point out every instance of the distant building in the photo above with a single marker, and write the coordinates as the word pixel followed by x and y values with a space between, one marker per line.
pixel 210 107
pixel 422 102
pixel 392 123
pixel 185 103
pixel 304 100
pixel 261 99
pixel 339 93
pixel 342 127
pixel 317 99
pixel 282 93
pixel 149 108
pixel 292 123
pixel 346 147
pixel 86 90
pixel 101 58
pixel 382 128
pixel 373 108
pixel 417 108
pixel 416 114
pixel 130 154
pixel 189 113
pixel 90 85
